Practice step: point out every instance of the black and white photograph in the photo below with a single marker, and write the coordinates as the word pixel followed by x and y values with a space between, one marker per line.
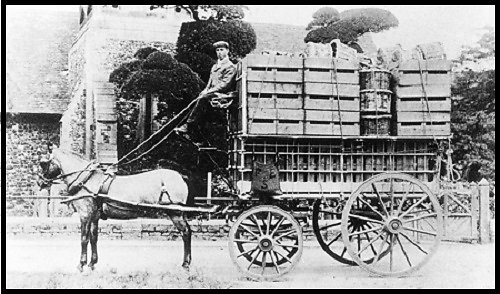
pixel 248 146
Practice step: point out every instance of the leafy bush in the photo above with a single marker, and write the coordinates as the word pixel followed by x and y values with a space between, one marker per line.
pixel 195 42
pixel 352 24
pixel 143 53
pixel 200 63
pixel 199 36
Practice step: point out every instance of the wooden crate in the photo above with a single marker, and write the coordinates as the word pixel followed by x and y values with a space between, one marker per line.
pixel 328 102
pixel 420 104
pixel 443 90
pixel 290 121
pixel 326 75
pixel 423 129
pixel 410 78
pixel 412 65
pixel 328 123
pixel 329 89
pixel 331 63
pixel 279 69
pixel 275 121
pixel 423 124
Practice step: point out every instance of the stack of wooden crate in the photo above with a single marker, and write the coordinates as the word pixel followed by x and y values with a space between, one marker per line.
pixel 331 97
pixel 281 95
pixel 271 97
pixel 423 102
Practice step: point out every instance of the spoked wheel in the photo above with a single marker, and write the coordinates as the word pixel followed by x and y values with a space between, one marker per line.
pixel 404 224
pixel 265 242
pixel 327 228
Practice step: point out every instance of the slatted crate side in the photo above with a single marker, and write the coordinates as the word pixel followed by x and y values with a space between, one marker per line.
pixel 332 116
pixel 418 91
pixel 321 75
pixel 328 102
pixel 420 104
pixel 285 75
pixel 423 129
pixel 423 116
pixel 275 61
pixel 274 88
pixel 344 90
pixel 429 78
pixel 290 121
pixel 331 63
pixel 412 65
pixel 262 121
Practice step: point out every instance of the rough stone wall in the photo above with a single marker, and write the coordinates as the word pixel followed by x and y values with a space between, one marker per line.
pixel 73 123
pixel 27 136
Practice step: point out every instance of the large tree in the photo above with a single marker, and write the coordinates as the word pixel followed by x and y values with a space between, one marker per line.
pixel 352 24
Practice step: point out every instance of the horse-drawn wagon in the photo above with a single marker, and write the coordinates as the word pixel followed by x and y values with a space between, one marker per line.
pixel 309 142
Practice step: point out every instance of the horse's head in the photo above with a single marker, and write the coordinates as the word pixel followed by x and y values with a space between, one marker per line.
pixel 51 169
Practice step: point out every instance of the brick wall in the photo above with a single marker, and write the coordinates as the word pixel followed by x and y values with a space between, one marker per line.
pixel 27 136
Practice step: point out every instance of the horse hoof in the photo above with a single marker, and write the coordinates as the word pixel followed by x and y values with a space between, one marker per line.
pixel 185 266
pixel 92 267
pixel 79 268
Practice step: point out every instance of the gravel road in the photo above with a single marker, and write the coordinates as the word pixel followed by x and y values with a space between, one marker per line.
pixel 455 265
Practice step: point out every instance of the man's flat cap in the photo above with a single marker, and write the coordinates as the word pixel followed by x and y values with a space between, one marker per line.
pixel 222 44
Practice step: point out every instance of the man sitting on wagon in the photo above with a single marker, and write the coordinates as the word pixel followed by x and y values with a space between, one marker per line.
pixel 218 90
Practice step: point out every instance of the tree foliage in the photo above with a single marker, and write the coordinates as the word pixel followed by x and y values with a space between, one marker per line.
pixel 323 17
pixel 473 112
pixel 195 42
pixel 352 24
pixel 209 12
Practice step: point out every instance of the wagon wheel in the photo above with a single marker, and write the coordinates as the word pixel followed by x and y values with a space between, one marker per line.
pixel 404 217
pixel 329 233
pixel 265 242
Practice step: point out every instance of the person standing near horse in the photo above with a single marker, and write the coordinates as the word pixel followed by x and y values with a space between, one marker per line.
pixel 222 81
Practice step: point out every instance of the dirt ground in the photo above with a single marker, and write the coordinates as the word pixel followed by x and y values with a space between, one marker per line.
pixel 51 263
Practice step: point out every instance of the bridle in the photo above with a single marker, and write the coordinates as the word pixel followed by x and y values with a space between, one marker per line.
pixel 91 167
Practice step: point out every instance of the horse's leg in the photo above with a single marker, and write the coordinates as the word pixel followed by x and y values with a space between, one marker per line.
pixel 94 226
pixel 180 222
pixel 85 229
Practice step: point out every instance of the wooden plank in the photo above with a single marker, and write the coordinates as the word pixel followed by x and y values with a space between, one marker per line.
pixel 420 104
pixel 430 65
pixel 314 76
pixel 256 113
pixel 275 75
pixel 272 61
pixel 290 114
pixel 423 130
pixel 259 127
pixel 346 90
pixel 330 63
pixel 320 102
pixel 274 88
pixel 104 92
pixel 332 116
pixel 290 127
pixel 106 147
pixel 416 116
pixel 412 78
pixel 106 116
pixel 292 101
pixel 430 90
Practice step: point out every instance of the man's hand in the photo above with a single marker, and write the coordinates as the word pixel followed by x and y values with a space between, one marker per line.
pixel 204 92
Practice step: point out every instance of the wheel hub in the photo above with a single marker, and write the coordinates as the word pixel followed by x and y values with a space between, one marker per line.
pixel 266 244
pixel 394 225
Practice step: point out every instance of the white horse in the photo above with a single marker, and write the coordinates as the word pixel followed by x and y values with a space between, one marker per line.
pixel 83 178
